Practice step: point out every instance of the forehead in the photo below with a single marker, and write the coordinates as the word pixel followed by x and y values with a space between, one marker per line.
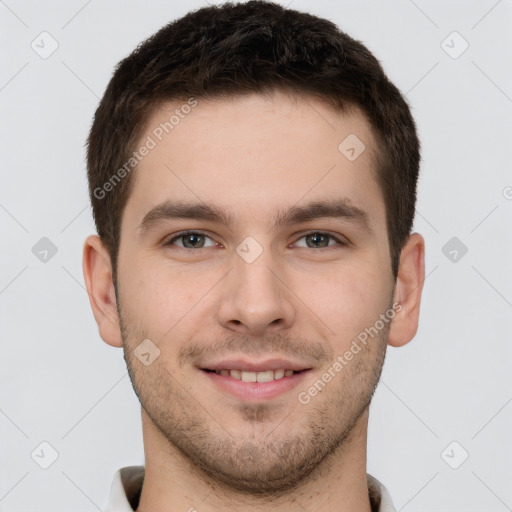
pixel 255 155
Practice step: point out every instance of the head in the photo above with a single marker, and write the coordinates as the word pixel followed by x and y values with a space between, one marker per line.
pixel 281 144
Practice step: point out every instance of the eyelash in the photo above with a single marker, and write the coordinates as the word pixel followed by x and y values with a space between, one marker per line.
pixel 169 243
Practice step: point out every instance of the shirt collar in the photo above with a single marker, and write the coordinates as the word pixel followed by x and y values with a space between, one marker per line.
pixel 127 485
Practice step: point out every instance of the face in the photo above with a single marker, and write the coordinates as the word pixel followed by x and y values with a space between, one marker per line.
pixel 293 272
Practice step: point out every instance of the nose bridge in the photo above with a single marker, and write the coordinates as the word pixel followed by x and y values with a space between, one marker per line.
pixel 254 296
pixel 258 276
pixel 255 273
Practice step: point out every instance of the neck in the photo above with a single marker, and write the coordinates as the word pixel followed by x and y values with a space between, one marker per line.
pixel 173 484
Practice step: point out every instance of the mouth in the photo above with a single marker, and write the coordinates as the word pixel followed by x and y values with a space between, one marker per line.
pixel 254 386
pixel 261 376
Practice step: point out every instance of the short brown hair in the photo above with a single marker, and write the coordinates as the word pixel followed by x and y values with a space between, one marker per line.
pixel 236 49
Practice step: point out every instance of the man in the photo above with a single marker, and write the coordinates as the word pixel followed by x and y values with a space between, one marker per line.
pixel 253 177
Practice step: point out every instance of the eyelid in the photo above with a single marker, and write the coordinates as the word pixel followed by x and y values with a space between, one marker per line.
pixel 341 241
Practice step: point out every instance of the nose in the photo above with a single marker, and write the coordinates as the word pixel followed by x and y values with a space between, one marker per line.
pixel 255 298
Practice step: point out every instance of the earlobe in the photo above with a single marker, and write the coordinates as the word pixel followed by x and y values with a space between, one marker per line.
pixel 408 289
pixel 97 270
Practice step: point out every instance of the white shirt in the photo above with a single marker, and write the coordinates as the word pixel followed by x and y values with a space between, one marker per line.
pixel 127 485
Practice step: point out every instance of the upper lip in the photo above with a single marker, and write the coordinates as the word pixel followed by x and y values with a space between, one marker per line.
pixel 251 366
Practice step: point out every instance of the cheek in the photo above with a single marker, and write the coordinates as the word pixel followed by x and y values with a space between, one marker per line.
pixel 347 298
pixel 161 298
pixel 147 293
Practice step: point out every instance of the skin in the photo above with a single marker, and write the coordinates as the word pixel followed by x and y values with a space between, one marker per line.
pixel 204 448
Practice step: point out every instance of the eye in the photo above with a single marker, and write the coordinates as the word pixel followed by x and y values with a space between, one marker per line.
pixel 190 240
pixel 197 240
pixel 320 240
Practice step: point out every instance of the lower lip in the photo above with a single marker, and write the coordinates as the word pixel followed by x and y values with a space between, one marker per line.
pixel 256 390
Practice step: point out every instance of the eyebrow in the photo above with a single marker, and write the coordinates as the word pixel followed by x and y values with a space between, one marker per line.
pixel 338 209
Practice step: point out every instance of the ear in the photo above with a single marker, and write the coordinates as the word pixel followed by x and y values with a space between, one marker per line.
pixel 409 285
pixel 97 269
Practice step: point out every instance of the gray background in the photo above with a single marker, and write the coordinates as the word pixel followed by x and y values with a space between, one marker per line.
pixel 61 384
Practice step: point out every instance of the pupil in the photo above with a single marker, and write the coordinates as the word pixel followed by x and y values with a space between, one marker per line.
pixel 316 238
pixel 192 239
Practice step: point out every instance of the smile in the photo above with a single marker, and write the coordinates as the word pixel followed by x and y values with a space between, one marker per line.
pixel 263 376
pixel 255 386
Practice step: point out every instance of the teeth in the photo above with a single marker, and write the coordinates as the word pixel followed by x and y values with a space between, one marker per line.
pixel 249 376
pixel 236 374
pixel 267 376
pixel 279 374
